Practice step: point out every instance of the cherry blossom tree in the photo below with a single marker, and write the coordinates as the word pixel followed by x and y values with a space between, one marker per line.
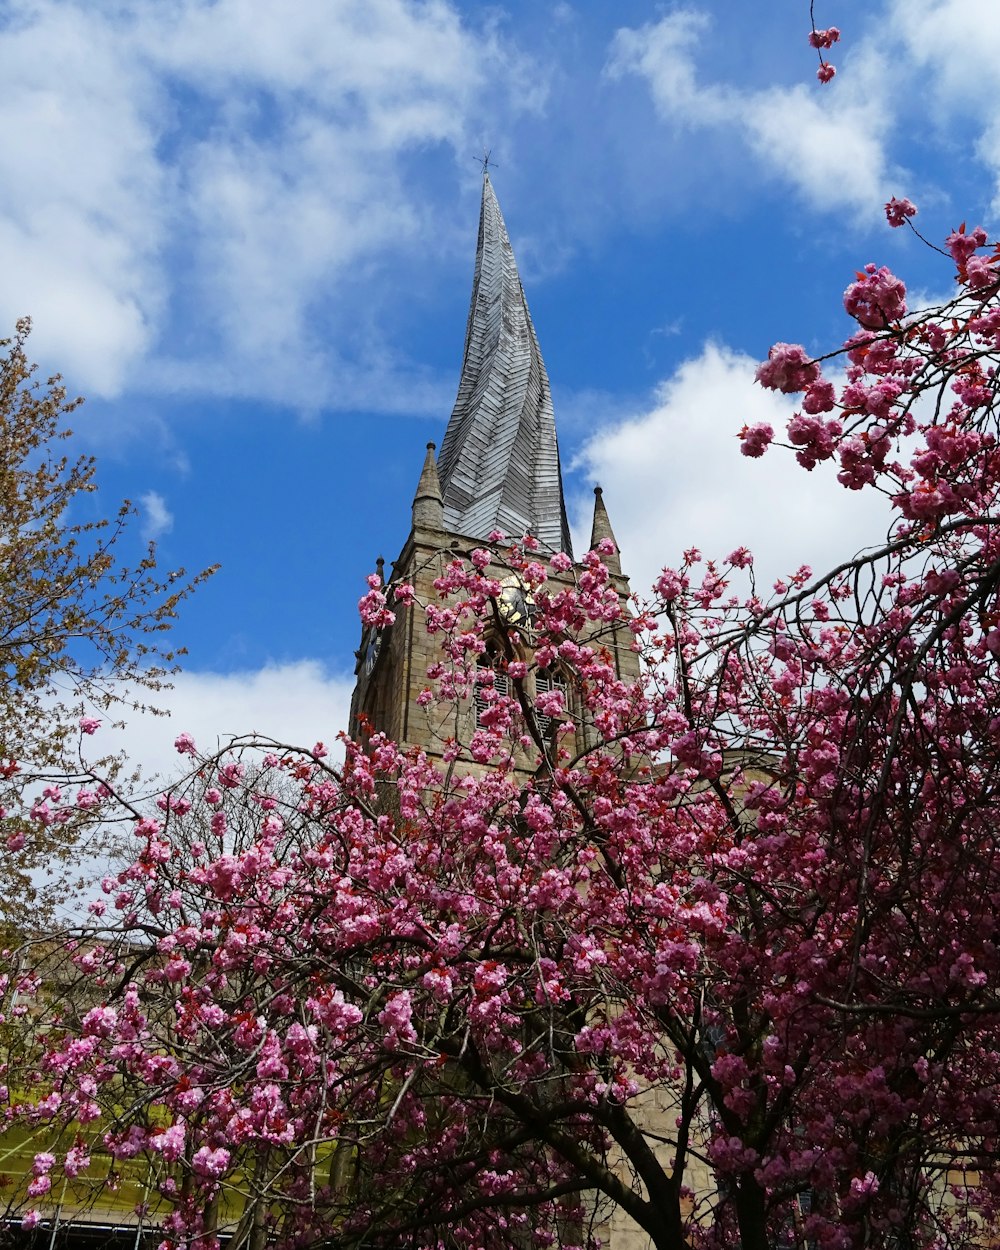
pixel 719 954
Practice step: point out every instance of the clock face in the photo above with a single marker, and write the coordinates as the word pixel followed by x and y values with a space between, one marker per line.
pixel 515 603
pixel 372 650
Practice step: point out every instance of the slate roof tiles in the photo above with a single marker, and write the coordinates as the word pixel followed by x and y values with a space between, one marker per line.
pixel 499 462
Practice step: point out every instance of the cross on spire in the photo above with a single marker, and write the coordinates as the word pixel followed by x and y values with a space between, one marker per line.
pixel 485 161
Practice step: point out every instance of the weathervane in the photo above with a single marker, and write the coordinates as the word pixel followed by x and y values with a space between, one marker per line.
pixel 485 161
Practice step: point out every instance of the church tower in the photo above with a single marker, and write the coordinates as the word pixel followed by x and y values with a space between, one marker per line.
pixel 498 470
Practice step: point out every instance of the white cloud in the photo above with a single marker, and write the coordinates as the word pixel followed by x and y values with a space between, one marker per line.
pixel 295 185
pixel 662 53
pixel 157 519
pixel 674 478
pixel 82 212
pixel 298 703
pixel 829 147
pixel 380 53
pixel 954 42
pixel 236 165
pixel 951 49
pixel 835 157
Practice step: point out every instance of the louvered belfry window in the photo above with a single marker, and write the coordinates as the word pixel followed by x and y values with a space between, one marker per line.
pixel 550 679
pixel 490 659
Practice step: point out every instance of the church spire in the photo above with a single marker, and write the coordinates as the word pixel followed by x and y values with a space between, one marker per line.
pixel 499 463
pixel 427 507
pixel 601 528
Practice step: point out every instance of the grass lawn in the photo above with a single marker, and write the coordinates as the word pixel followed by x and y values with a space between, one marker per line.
pixel 109 1191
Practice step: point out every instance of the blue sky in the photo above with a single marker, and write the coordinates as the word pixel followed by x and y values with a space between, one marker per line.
pixel 246 232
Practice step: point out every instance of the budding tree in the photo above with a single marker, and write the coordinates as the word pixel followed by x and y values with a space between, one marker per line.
pixel 80 632
pixel 719 955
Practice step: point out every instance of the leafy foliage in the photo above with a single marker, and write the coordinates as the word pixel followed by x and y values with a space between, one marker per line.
pixel 80 633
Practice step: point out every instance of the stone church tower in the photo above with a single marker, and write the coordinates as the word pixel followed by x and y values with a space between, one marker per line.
pixel 498 470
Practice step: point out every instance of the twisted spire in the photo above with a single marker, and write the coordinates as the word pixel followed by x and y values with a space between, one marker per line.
pixel 499 464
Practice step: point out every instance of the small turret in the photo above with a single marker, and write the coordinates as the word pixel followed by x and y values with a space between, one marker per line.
pixel 428 506
pixel 602 529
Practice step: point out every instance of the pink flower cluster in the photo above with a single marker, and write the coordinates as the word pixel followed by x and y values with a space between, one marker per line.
pixel 877 299
pixel 788 369
pixel 897 212
pixel 824 38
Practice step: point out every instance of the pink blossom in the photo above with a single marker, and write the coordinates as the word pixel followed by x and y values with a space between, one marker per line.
pixel 77 1160
pixel 373 610
pixel 16 841
pixel 819 398
pixel 824 38
pixel 210 1163
pixel 230 775
pixel 897 211
pixel 788 369
pixel 550 703
pixel 397 1020
pixel 30 1219
pixel 89 724
pixel 184 744
pixel 962 244
pixel 826 72
pixel 865 1186
pixel 404 593
pixel 756 439
pixel 170 1142
pixel 857 469
pixel 980 271
pixel 670 584
pixel 99 1022
pixel 876 299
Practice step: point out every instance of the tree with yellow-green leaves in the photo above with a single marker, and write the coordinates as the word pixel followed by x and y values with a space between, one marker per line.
pixel 82 634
